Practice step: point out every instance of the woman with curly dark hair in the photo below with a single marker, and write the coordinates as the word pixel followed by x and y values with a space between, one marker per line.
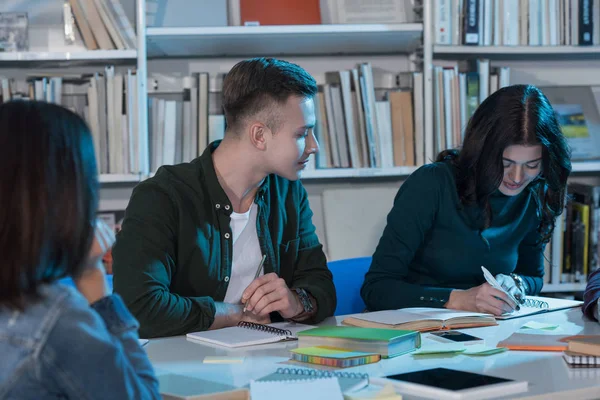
pixel 491 203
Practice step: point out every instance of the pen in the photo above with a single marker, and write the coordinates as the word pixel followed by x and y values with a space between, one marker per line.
pixel 260 265
pixel 492 281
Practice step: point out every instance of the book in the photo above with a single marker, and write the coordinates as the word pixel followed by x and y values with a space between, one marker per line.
pixel 180 387
pixel 444 383
pixel 249 334
pixel 14 34
pixel 420 319
pixel 386 342
pixel 535 342
pixel 538 305
pixel 588 345
pixel 581 360
pixel 326 388
pixel 333 356
pixel 349 381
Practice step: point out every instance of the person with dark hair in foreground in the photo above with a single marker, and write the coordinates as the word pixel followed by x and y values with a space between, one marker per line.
pixel 57 341
pixel 491 203
pixel 191 244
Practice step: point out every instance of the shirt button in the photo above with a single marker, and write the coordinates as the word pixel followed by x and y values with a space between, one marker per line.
pixel 227 207
pixel 431 299
pixel 217 206
pixel 422 298
pixel 227 235
pixel 226 279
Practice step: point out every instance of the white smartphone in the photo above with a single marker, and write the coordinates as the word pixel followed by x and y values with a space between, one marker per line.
pixel 455 337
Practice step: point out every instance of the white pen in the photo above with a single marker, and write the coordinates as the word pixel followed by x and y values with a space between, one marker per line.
pixel 492 281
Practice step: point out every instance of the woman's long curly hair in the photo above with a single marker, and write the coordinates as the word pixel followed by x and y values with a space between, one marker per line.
pixel 514 115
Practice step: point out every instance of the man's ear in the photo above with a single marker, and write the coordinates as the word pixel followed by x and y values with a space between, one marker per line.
pixel 259 134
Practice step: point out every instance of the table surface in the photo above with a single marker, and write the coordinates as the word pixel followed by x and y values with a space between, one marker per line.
pixel 549 376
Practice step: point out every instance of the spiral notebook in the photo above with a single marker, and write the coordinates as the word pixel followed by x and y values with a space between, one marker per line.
pixel 250 334
pixel 581 360
pixel 537 305
pixel 349 381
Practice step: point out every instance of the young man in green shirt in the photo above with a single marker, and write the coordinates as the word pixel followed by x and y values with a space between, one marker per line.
pixel 194 235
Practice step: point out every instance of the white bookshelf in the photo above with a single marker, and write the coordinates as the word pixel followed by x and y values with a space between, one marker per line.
pixel 524 51
pixel 89 57
pixel 563 287
pixel 284 40
pixel 586 166
pixel 338 173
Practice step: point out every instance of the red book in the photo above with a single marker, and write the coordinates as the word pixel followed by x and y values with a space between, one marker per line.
pixel 280 12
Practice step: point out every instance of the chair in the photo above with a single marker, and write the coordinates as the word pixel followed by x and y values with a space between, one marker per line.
pixel 348 276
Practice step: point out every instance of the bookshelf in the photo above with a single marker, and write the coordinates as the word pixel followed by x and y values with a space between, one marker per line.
pixel 530 52
pixel 58 58
pixel 397 47
pixel 248 41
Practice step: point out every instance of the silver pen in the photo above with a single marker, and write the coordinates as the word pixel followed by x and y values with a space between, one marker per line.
pixel 260 265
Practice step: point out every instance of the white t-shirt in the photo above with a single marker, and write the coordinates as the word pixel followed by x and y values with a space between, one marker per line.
pixel 246 254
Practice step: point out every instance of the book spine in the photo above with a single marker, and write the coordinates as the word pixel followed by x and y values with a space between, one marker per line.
pixel 471 22
pixel 586 28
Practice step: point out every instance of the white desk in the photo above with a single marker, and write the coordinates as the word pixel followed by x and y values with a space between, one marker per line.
pixel 548 375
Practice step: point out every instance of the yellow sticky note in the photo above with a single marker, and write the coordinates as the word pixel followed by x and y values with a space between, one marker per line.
pixel 223 360
pixel 539 325
pixel 386 393
pixel 483 350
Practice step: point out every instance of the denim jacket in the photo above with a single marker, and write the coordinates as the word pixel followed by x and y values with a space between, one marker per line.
pixel 61 347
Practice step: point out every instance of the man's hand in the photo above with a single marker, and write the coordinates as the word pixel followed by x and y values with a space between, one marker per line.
pixel 270 293
pixel 483 298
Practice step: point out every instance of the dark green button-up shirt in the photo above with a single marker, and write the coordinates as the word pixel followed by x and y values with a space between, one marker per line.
pixel 432 244
pixel 173 256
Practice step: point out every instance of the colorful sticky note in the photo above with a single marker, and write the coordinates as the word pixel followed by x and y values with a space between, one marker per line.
pixel 539 325
pixel 483 350
pixel 441 348
pixel 329 352
pixel 223 360
pixel 386 393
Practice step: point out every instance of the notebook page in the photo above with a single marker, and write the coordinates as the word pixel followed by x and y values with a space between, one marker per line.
pixel 292 327
pixel 553 305
pixel 326 388
pixel 235 337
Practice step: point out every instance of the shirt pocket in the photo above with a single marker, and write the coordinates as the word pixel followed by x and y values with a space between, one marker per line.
pixel 288 253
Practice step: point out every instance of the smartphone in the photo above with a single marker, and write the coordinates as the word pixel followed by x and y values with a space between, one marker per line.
pixel 455 337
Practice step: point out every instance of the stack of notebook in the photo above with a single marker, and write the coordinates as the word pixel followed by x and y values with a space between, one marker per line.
pixel 583 351
pixel 385 342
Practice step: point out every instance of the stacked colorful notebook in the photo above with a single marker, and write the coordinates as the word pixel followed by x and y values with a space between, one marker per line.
pixel 350 346
pixel 333 356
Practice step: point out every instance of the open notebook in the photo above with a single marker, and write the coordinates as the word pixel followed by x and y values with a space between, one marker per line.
pixel 250 334
pixel 420 319
pixel 537 305
pixel 348 381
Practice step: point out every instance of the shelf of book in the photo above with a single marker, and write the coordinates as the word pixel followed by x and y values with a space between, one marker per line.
pixel 332 173
pixel 563 287
pixel 556 52
pixel 120 178
pixel 284 40
pixel 91 56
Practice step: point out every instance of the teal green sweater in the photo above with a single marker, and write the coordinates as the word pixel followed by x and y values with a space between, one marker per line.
pixel 432 244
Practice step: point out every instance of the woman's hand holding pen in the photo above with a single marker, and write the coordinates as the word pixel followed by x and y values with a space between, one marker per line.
pixel 483 298
pixel 510 285
pixel 270 293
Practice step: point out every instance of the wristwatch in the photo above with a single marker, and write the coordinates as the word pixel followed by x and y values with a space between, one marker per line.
pixel 305 301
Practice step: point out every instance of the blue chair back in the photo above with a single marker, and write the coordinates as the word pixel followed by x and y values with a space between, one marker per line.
pixel 348 276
